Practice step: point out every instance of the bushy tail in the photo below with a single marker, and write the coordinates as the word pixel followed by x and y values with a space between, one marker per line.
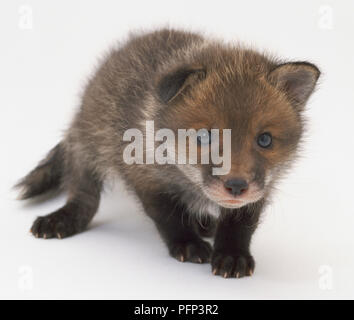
pixel 45 177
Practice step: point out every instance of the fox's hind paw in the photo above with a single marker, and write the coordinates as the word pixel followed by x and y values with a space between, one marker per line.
pixel 56 225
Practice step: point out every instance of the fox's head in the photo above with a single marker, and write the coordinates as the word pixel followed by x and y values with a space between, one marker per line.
pixel 260 100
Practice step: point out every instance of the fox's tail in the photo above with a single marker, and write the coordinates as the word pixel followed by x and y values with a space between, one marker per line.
pixel 45 177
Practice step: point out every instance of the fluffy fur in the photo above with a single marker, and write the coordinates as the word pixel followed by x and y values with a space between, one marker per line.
pixel 180 80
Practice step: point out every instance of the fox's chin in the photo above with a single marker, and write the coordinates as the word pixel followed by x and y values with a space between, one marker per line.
pixel 235 202
pixel 230 205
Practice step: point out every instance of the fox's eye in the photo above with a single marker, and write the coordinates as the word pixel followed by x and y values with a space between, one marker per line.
pixel 264 140
pixel 204 136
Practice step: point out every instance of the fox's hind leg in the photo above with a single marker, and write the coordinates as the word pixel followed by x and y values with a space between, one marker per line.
pixel 84 195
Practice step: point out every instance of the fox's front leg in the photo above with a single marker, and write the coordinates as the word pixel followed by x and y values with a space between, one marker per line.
pixel 177 227
pixel 231 257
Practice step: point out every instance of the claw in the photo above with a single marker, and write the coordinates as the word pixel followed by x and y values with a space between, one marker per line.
pixel 36 235
pixel 58 235
pixel 225 275
pixel 237 275
pixel 44 236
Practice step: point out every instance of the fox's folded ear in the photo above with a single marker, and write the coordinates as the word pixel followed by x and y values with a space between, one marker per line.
pixel 297 79
pixel 176 81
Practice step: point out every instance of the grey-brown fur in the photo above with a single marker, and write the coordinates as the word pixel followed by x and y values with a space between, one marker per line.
pixel 177 79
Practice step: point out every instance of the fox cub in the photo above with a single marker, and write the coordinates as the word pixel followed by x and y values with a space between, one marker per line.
pixel 181 80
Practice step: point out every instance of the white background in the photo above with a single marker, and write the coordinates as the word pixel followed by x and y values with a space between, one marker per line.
pixel 304 247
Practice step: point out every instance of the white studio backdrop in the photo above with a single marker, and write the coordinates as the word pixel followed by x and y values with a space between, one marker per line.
pixel 304 247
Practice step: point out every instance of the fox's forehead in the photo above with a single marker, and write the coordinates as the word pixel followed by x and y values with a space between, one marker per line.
pixel 235 104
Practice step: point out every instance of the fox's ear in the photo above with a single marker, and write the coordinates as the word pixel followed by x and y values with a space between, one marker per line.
pixel 177 81
pixel 297 79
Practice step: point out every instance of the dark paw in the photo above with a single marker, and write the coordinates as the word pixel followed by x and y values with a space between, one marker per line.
pixel 197 251
pixel 232 265
pixel 55 225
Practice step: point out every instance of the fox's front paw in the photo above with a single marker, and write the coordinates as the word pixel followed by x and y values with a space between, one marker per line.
pixel 197 251
pixel 236 265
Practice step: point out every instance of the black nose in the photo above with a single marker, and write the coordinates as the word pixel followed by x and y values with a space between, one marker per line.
pixel 236 186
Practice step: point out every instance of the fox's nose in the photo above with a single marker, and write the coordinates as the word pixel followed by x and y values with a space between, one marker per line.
pixel 236 186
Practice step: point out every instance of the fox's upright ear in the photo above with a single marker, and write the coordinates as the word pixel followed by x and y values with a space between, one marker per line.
pixel 296 79
pixel 177 81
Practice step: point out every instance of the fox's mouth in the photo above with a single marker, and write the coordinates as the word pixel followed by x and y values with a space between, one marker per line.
pixel 218 194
